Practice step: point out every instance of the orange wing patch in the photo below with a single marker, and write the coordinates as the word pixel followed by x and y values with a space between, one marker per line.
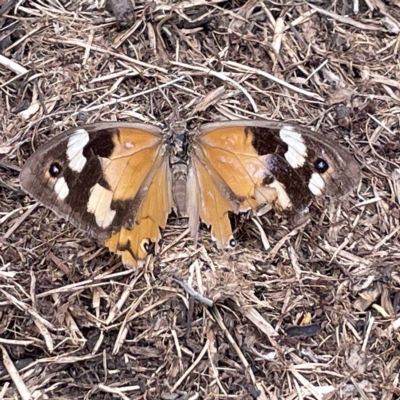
pixel 134 155
pixel 133 244
pixel 231 153
pixel 131 166
pixel 213 206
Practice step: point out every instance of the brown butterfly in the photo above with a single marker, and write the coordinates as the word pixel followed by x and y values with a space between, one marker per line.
pixel 120 181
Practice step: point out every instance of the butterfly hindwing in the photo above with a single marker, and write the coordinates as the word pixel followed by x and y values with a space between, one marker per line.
pixel 133 243
pixel 215 200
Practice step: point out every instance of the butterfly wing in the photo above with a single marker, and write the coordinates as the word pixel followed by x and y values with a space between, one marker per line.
pixel 132 243
pixel 110 179
pixel 251 163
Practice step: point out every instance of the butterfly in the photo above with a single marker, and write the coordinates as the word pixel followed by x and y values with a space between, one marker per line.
pixel 120 181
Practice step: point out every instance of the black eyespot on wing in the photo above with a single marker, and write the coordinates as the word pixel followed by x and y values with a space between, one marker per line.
pixel 55 170
pixel 147 245
pixel 321 165
pixel 232 243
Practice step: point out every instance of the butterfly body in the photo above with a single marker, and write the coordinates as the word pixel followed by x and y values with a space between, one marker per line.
pixel 179 159
pixel 120 181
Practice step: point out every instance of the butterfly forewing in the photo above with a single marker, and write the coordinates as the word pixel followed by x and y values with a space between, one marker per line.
pixel 304 152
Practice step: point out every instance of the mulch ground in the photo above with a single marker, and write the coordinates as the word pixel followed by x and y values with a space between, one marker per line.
pixel 315 316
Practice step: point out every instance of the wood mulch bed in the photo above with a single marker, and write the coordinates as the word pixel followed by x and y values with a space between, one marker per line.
pixel 315 316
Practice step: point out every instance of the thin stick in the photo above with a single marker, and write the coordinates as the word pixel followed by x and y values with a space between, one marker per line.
pixel 10 64
pixel 192 292
pixel 15 376
pixel 192 367
pixel 272 78
pixel 126 98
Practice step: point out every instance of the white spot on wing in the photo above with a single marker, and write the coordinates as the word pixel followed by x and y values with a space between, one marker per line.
pixel 297 150
pixel 76 143
pixel 61 188
pixel 282 197
pixel 316 184
pixel 99 204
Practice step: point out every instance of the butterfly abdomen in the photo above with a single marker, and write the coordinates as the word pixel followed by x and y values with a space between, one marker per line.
pixel 179 183
pixel 179 164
